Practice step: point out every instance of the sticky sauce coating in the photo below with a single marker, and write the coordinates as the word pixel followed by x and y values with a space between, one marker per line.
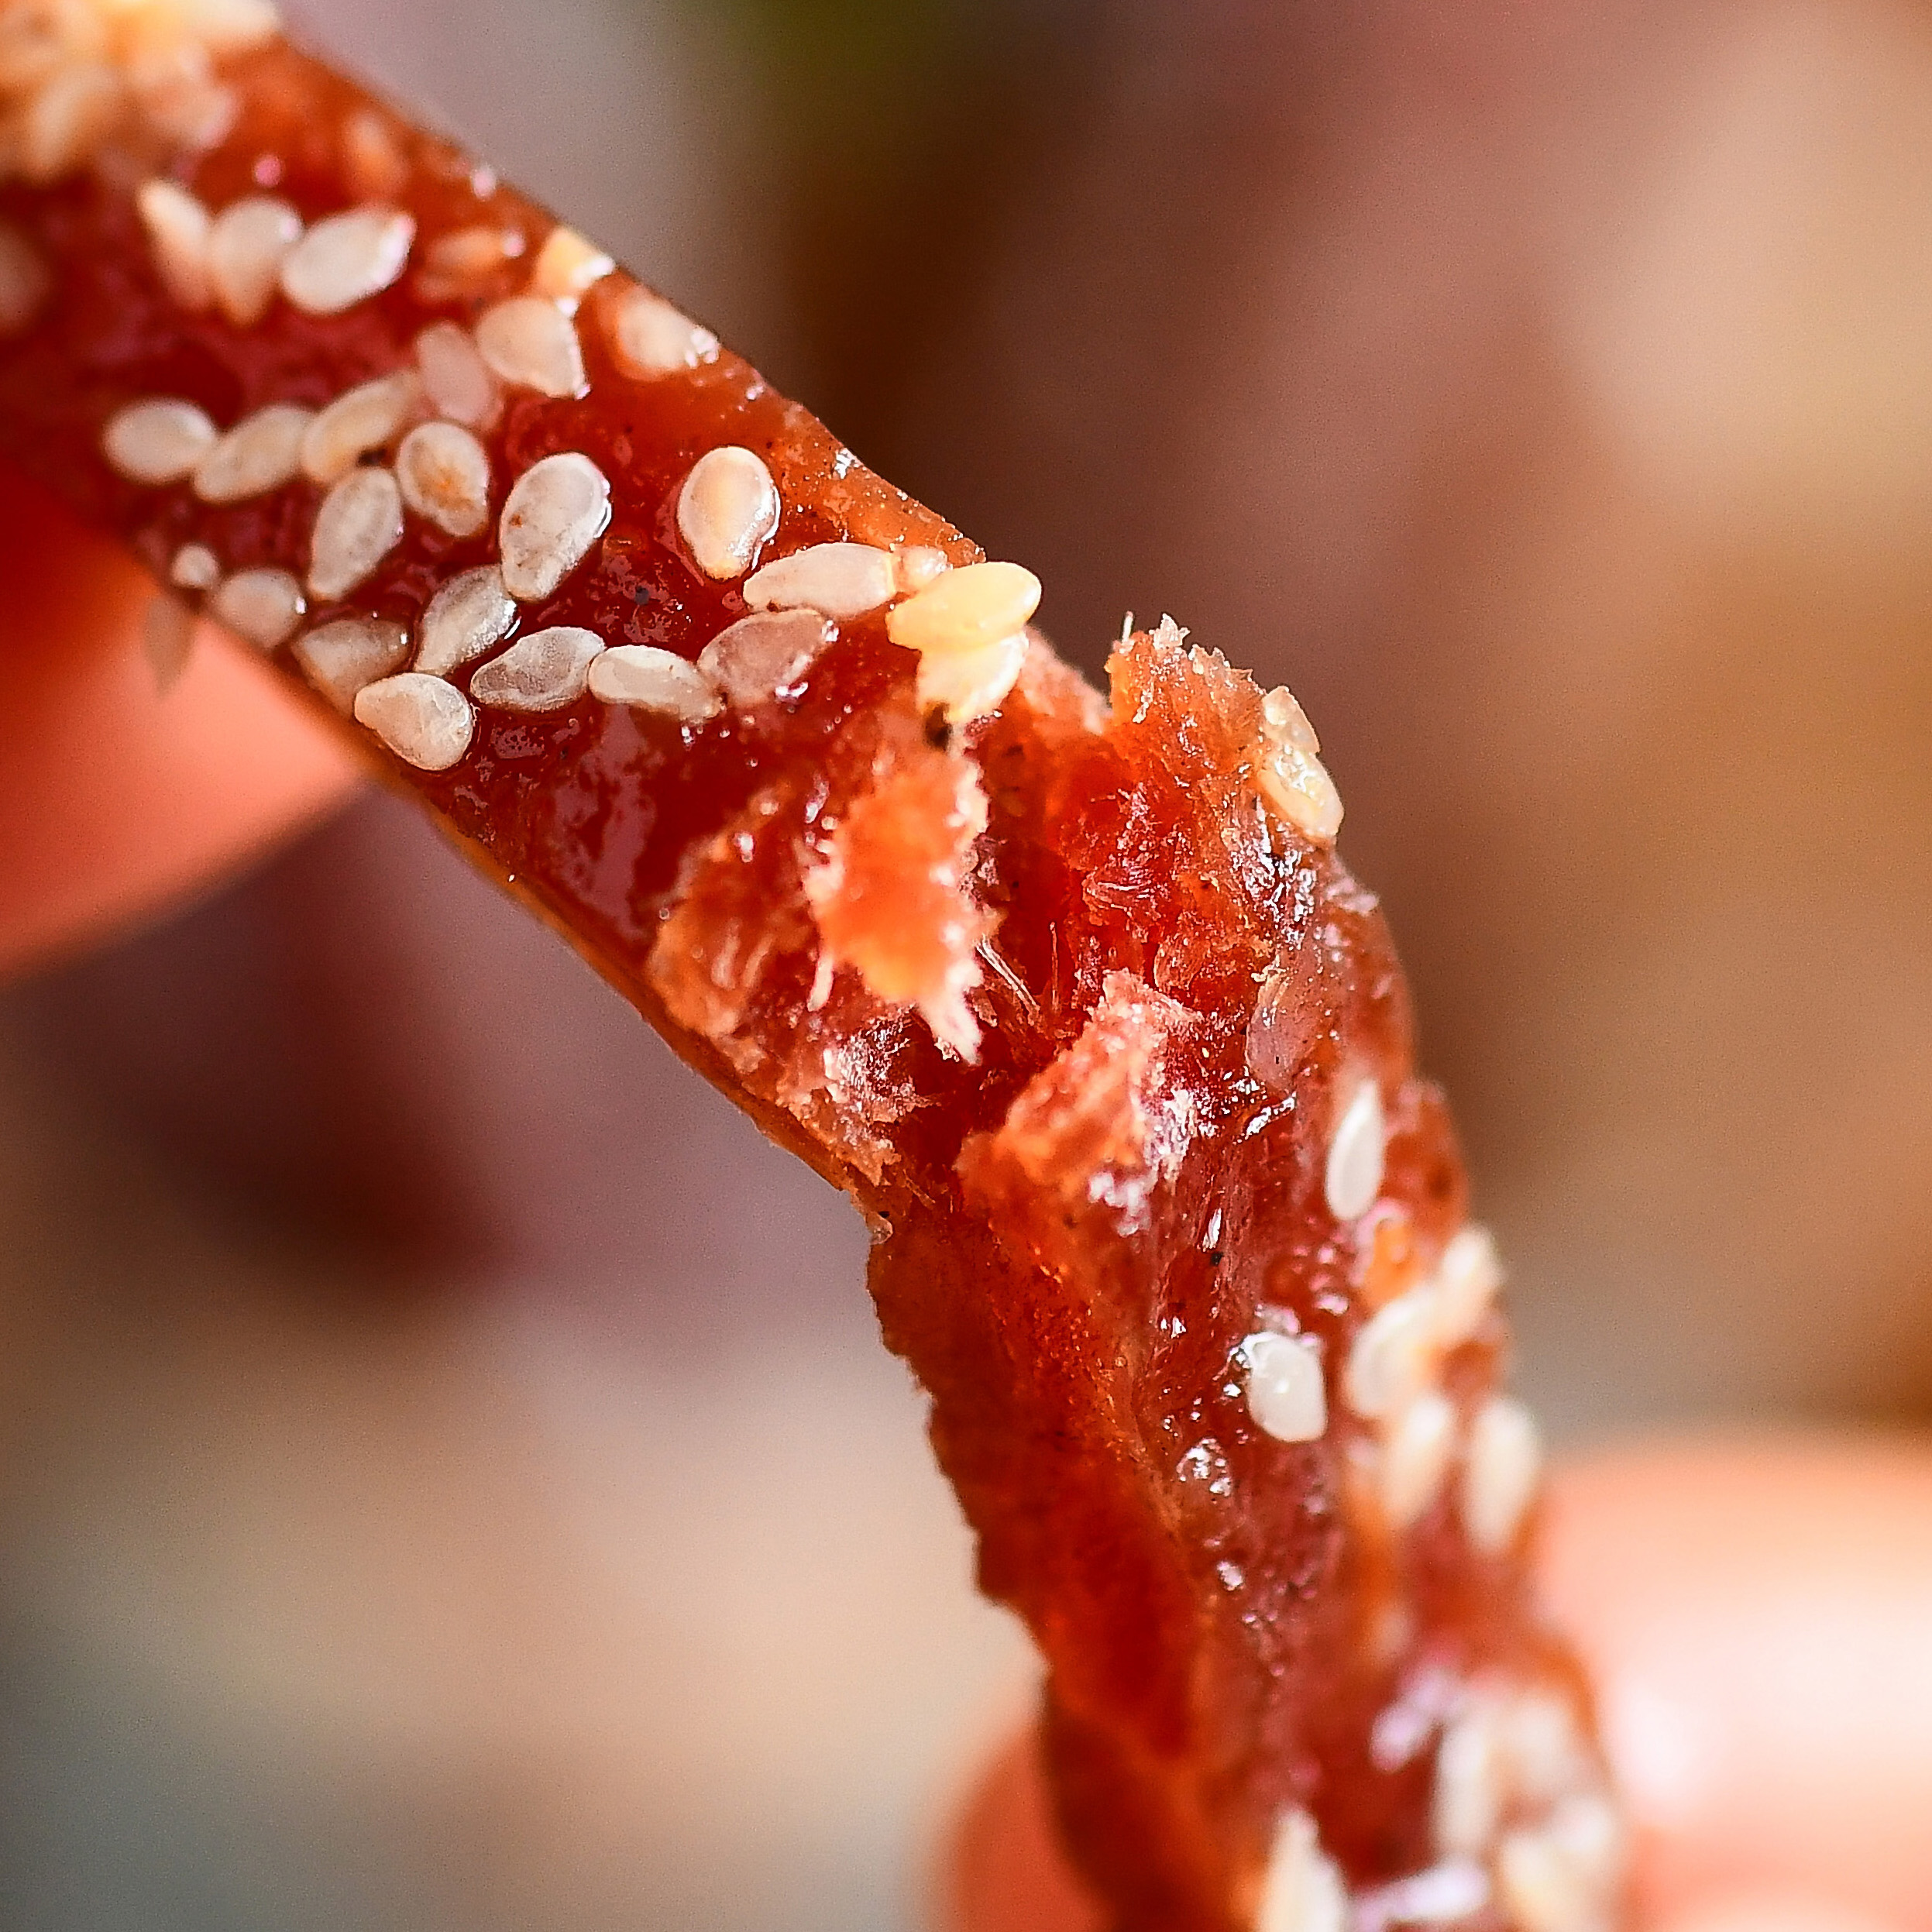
pixel 1073 996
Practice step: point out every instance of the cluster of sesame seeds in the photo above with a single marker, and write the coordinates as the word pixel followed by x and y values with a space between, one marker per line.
pixel 1519 1792
pixel 80 78
pixel 1390 1381
pixel 1289 774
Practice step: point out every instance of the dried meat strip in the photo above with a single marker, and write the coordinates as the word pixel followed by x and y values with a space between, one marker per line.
pixel 1073 996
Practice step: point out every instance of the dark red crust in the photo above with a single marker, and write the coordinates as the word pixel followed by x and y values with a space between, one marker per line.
pixel 1077 1231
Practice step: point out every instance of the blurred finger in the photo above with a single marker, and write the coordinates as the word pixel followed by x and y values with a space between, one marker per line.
pixel 114 799
pixel 1760 1617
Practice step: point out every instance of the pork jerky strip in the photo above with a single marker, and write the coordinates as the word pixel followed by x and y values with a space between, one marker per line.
pixel 1071 995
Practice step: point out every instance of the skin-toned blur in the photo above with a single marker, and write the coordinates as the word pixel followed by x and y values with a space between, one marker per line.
pixel 451 1478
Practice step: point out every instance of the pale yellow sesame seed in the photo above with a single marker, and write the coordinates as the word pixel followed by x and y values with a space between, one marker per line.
pixel 1286 1396
pixel 543 671
pixel 370 417
pixel 966 609
pixel 1415 1457
pixel 67 117
pixel 556 510
pixel 917 566
pixel 649 338
pixel 347 258
pixel 1394 1356
pixel 195 568
pixel 444 472
pixel 261 607
pixel 425 722
pixel 728 510
pixel 1500 1478
pixel 458 381
pixel 1301 1890
pixel 163 440
pixel 969 685
pixel 648 679
pixel 567 266
pixel 178 228
pixel 1353 1178
pixel 359 523
pixel 246 247
pixel 840 580
pixel 342 659
pixel 530 343
pixel 753 660
pixel 261 453
pixel 471 614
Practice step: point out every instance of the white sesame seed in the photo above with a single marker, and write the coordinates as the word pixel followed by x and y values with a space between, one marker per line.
pixel 67 118
pixel 1393 1358
pixel 25 281
pixel 544 672
pixel 425 722
pixel 1444 1894
pixel 343 658
pixel 1564 1875
pixel 460 386
pixel 966 685
pixel 1296 785
pixel 650 679
pixel 917 566
pixel 727 510
pixel 1415 1458
pixel 567 265
pixel 752 661
pixel 470 614
pixel 532 344
pixel 1469 1791
pixel 246 250
pixel 966 609
pixel 557 509
pixel 1285 1393
pixel 1468 1276
pixel 227 26
pixel 368 417
pixel 1548 1757
pixel 346 259
pixel 372 155
pixel 1353 1176
pixel 649 338
pixel 195 568
pixel 360 522
pixel 162 441
pixel 444 475
pixel 841 579
pixel 177 227
pixel 189 111
pixel 1286 722
pixel 1504 1464
pixel 167 635
pixel 262 607
pixel 262 452
pixel 458 261
pixel 1302 1891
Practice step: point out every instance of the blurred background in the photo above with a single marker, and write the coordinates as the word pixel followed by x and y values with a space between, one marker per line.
pixel 448 1475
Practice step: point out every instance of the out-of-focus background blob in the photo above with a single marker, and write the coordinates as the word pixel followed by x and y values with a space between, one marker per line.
pixel 448 1476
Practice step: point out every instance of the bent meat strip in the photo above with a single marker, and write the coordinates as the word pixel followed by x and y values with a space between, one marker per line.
pixel 1072 996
